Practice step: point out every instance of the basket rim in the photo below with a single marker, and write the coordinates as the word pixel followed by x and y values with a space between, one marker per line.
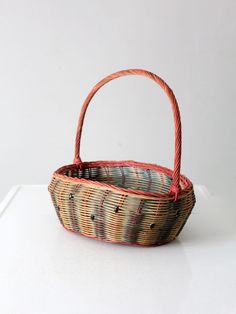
pixel 127 163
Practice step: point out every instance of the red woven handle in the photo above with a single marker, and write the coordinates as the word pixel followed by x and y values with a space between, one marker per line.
pixel 177 160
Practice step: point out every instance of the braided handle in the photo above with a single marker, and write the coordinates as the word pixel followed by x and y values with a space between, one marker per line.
pixel 175 188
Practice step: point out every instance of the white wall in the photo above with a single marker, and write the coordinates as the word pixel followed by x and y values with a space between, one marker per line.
pixel 53 52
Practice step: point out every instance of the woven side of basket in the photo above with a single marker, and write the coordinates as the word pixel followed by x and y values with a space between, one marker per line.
pixel 119 217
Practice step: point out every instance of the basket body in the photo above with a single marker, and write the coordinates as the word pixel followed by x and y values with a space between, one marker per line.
pixel 117 202
pixel 124 202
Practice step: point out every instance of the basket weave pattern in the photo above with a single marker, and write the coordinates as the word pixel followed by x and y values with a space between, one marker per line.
pixel 124 201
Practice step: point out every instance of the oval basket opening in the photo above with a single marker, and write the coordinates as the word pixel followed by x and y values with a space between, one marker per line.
pixel 129 175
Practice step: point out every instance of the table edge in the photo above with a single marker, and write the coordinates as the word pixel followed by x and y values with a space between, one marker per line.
pixel 8 198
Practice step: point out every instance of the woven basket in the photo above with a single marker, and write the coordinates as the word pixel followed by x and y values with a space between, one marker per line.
pixel 124 202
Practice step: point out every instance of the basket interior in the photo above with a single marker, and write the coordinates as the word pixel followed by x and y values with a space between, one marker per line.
pixel 133 178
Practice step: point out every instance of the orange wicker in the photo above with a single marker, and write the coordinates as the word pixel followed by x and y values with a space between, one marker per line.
pixel 124 202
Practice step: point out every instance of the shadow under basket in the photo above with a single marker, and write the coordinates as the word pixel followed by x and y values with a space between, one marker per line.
pixel 124 201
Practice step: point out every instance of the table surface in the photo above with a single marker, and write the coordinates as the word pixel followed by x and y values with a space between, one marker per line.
pixel 46 269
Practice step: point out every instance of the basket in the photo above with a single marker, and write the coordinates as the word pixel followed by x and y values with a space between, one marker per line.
pixel 124 202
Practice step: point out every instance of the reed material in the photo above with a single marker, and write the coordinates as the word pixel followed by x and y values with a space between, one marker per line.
pixel 124 201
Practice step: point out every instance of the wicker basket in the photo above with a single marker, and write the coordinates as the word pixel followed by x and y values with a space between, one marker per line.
pixel 124 202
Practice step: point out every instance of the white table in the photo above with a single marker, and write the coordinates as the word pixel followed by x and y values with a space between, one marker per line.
pixel 46 269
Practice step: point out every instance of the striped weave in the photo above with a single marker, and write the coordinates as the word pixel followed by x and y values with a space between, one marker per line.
pixel 123 201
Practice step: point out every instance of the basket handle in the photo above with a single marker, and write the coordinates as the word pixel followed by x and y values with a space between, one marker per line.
pixel 175 188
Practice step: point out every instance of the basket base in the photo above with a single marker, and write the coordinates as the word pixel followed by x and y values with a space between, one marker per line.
pixel 118 242
pixel 134 208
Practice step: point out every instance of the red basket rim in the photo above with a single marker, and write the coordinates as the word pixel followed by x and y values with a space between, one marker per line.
pixel 129 163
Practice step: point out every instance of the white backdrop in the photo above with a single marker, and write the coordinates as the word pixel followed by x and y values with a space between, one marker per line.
pixel 53 52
